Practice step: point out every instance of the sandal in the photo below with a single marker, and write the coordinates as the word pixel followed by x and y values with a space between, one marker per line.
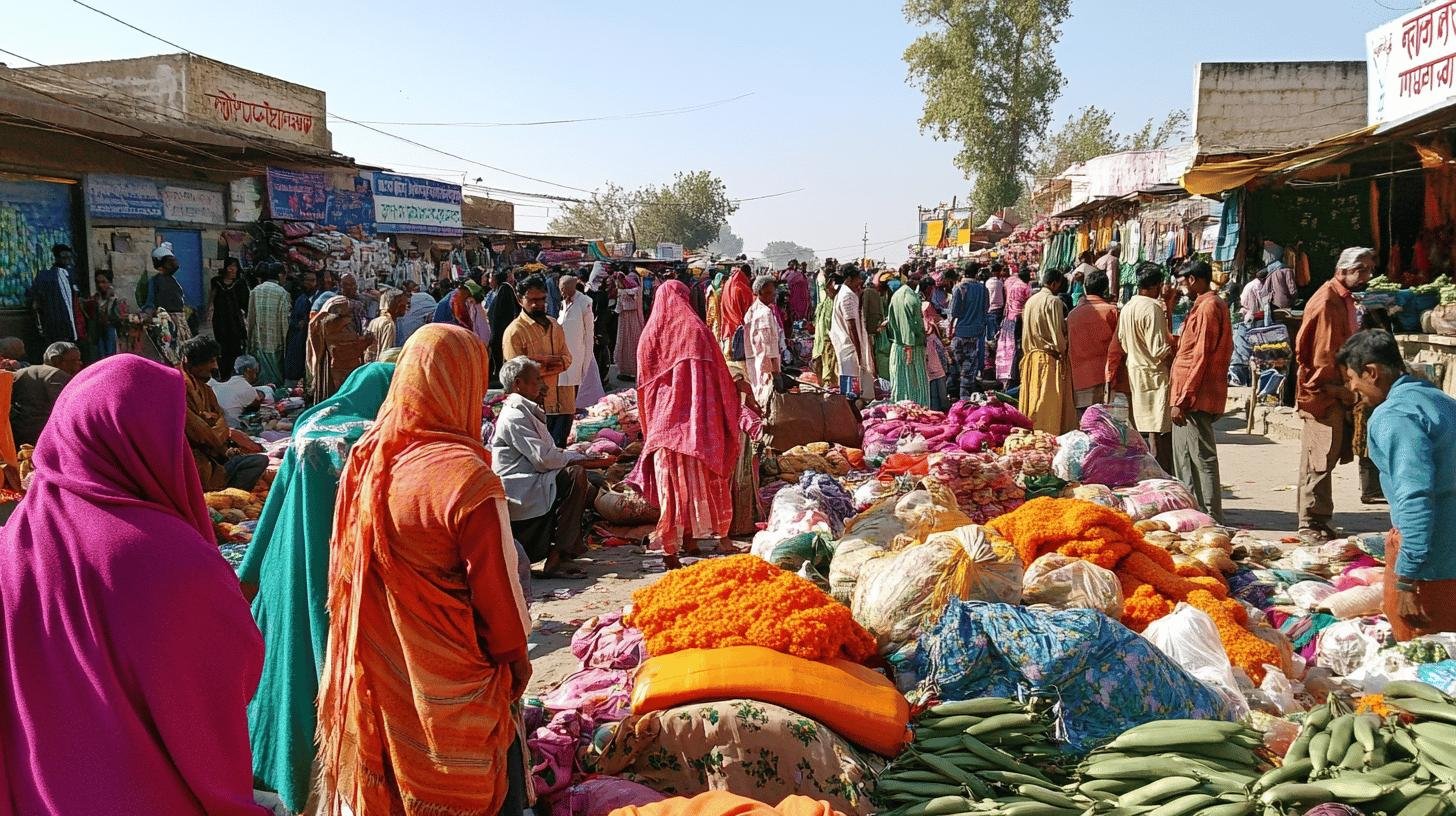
pixel 561 573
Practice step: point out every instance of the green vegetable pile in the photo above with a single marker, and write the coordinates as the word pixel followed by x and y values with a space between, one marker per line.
pixel 1175 768
pixel 1380 283
pixel 1424 651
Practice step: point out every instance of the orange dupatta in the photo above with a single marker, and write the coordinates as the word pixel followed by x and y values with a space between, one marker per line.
pixel 413 718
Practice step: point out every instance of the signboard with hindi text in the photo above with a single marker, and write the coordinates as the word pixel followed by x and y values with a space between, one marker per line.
pixel 1412 62
pixel 415 205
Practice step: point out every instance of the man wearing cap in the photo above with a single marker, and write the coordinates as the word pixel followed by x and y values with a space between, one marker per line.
pixel 53 296
pixel 1200 387
pixel 164 292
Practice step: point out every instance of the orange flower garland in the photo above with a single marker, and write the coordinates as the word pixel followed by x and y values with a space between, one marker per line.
pixel 746 601
pixel 1373 704
pixel 1152 585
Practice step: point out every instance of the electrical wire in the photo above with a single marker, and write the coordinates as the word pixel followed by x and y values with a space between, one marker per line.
pixel 608 118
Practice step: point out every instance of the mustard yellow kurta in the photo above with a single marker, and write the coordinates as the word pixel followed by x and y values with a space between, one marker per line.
pixel 526 337
pixel 1046 373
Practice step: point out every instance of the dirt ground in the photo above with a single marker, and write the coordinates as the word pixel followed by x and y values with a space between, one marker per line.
pixel 1258 473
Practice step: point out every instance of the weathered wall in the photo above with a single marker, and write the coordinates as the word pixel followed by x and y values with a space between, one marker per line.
pixel 1266 107
pixel 487 212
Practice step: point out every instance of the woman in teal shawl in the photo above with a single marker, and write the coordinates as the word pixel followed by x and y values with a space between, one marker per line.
pixel 908 380
pixel 824 356
pixel 288 563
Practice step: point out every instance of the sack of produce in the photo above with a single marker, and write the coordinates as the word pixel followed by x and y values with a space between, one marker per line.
pixel 1184 521
pixel 928 511
pixel 1190 637
pixel 983 567
pixel 894 589
pixel 1065 582
pixel 794 512
pixel 794 551
pixel 980 484
pixel 1150 497
pixel 1107 678
pixel 1116 457
pixel 1095 493
pixel 865 536
pixel 602 795
pixel 1072 450
pixel 625 507
pixel 750 748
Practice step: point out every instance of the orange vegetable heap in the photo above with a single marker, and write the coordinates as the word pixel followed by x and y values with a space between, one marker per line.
pixel 1373 704
pixel 1151 584
pixel 743 600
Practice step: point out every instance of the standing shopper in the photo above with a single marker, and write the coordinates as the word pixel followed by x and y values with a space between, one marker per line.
pixel 969 313
pixel 799 301
pixel 1017 291
pixel 578 323
pixel 906 330
pixel 335 349
pixel 995 299
pixel 762 340
pixel 935 354
pixel 268 323
pixel 1200 387
pixel 1144 342
pixel 1091 329
pixel 295 354
pixel 504 309
pixel 689 407
pixel 53 295
pixel 1323 400
pixel 535 335
pixel 874 299
pixel 287 567
pixel 427 621
pixel 228 304
pixel 629 323
pixel 853 349
pixel 1413 443
pixel 384 330
pixel 127 656
pixel 826 356
pixel 733 306
pixel 1111 263
pixel 107 318
pixel 1046 374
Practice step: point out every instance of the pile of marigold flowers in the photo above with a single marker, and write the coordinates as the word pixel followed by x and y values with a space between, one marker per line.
pixel 743 600
pixel 1152 585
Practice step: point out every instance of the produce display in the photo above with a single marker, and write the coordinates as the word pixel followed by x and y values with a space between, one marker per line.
pixel 969 426
pixel 1175 767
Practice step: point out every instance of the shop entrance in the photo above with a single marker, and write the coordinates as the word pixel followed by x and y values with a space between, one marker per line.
pixel 187 247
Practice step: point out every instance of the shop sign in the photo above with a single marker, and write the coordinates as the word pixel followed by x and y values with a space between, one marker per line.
pixel 1412 62
pixel 352 206
pixel 193 206
pixel 295 195
pixel 670 252
pixel 246 197
pixel 123 197
pixel 416 205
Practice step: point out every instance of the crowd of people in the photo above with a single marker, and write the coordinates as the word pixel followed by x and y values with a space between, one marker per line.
pixel 382 666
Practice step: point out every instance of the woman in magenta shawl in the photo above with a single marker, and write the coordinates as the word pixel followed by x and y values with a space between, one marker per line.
pixel 127 652
pixel 689 407
pixel 799 297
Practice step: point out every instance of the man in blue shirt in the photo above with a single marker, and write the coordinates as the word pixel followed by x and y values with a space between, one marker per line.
pixel 1412 440
pixel 968 315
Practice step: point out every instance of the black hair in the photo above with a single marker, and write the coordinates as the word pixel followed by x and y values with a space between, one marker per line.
pixel 535 282
pixel 59 248
pixel 501 277
pixel 1150 275
pixel 1053 276
pixel 200 349
pixel 848 273
pixel 1371 347
pixel 1096 283
pixel 1025 274
pixel 950 276
pixel 102 273
pixel 1086 256
pixel 1197 268
pixel 925 285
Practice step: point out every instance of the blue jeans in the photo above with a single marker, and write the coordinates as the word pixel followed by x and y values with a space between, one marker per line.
pixel 938 400
pixel 106 346
pixel 970 358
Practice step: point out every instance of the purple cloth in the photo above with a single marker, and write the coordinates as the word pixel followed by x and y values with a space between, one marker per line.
pixel 129 654
pixel 604 642
pixel 553 753
pixel 598 695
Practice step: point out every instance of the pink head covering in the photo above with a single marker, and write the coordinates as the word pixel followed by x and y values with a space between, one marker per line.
pixel 127 652
pixel 685 396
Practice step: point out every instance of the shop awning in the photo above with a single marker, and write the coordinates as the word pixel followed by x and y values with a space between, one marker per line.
pixel 1215 177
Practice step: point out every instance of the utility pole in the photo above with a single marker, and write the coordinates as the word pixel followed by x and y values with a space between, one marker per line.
pixel 865 254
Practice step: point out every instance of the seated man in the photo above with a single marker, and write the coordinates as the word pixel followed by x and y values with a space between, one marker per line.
pixel 36 388
pixel 225 457
pixel 240 393
pixel 547 487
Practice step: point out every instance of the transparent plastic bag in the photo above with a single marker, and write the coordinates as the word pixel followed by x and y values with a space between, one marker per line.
pixel 1278 691
pixel 993 573
pixel 1070 583
pixel 865 536
pixel 1309 595
pixel 1072 450
pixel 1190 637
pixel 923 513
pixel 894 590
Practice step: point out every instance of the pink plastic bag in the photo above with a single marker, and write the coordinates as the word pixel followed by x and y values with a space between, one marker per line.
pixel 601 795
pixel 598 695
pixel 605 642
pixel 1184 521
pixel 553 753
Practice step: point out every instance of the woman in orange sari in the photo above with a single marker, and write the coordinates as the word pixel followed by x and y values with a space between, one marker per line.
pixel 427 629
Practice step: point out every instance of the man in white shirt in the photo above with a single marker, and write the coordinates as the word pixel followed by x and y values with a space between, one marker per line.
pixel 1111 263
pixel 763 340
pixel 547 487
pixel 578 323
pixel 1254 300
pixel 240 392
pixel 851 342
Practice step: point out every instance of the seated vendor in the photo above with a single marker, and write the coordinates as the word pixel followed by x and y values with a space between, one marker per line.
pixel 547 487
pixel 37 387
pixel 226 457
pixel 240 393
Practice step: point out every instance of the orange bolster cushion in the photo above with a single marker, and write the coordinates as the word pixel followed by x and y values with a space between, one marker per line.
pixel 855 702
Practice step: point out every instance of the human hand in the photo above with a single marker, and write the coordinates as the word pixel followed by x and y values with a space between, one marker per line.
pixel 1179 417
pixel 520 676
pixel 1408 608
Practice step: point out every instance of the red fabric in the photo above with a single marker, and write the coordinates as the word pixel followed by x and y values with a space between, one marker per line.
pixel 733 305
pixel 685 394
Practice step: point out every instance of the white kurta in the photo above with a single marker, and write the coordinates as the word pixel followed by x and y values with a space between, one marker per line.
pixel 762 337
pixel 847 346
pixel 1142 331
pixel 579 325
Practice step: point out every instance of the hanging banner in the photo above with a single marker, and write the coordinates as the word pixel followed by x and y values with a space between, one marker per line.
pixel 1412 63
pixel 423 206
pixel 246 197
pixel 193 206
pixel 295 195
pixel 34 215
pixel 123 197
pixel 353 207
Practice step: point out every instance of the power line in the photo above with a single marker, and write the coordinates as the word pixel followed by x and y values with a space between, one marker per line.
pixel 608 118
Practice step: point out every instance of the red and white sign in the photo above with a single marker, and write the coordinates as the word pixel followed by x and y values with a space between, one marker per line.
pixel 1412 62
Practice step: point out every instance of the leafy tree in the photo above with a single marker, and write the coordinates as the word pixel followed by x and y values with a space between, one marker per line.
pixel 1175 124
pixel 989 78
pixel 1088 134
pixel 779 253
pixel 604 216
pixel 726 244
pixel 689 211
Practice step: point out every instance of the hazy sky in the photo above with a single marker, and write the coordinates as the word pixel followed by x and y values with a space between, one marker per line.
pixel 830 111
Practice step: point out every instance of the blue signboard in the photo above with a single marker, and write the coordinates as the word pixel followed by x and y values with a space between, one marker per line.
pixel 353 207
pixel 295 195
pixel 123 197
pixel 34 215
pixel 416 205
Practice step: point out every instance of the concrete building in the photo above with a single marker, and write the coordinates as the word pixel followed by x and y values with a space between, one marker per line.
pixel 1255 108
